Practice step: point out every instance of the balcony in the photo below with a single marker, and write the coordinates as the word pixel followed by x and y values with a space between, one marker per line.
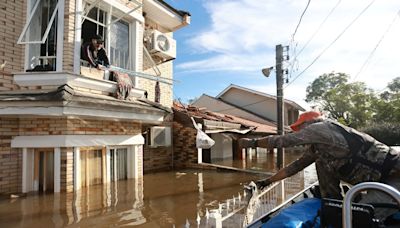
pixel 91 79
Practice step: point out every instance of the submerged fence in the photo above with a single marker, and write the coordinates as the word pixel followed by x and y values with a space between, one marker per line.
pixel 234 212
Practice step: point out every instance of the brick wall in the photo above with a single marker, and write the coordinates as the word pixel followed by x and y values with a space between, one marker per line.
pixel 69 35
pixel 184 144
pixel 166 90
pixel 156 159
pixel 67 169
pixel 12 19
pixel 76 126
pixel 10 159
pixel 166 69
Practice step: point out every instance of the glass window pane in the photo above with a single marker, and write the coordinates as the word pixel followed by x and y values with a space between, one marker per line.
pixel 90 29
pixel 41 16
pixel 119 44
pixel 93 13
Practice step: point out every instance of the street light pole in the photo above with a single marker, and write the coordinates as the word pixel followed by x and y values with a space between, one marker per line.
pixel 279 96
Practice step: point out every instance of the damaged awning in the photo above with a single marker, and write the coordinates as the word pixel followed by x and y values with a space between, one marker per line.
pixel 221 127
pixel 211 122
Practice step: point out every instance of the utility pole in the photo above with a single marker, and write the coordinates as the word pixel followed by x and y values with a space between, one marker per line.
pixel 279 95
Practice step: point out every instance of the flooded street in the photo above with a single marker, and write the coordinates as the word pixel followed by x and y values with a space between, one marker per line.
pixel 161 199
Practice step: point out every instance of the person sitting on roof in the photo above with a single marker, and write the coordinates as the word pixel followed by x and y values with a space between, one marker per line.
pixel 94 53
pixel 340 153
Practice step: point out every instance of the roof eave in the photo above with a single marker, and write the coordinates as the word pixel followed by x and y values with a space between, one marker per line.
pixel 165 15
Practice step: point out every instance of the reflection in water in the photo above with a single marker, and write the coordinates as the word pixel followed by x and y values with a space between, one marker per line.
pixel 158 200
pixel 260 160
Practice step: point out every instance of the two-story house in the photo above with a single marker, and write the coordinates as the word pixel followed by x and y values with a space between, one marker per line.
pixel 61 126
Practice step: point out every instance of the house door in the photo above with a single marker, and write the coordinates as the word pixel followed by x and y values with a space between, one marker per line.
pixel 44 170
pixel 91 167
pixel 119 167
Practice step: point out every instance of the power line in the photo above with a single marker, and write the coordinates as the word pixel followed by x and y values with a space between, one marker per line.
pixel 376 46
pixel 316 31
pixel 301 17
pixel 334 41
pixel 311 38
pixel 297 27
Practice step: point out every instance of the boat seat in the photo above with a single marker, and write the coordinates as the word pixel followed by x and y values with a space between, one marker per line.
pixel 331 214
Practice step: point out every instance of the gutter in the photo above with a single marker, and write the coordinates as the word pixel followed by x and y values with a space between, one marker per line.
pixel 181 13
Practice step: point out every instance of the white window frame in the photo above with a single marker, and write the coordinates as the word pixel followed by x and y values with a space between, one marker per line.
pixel 133 30
pixel 60 32
pixel 114 149
pixel 28 22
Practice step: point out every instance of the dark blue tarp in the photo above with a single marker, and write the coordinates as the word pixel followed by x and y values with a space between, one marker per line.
pixel 302 214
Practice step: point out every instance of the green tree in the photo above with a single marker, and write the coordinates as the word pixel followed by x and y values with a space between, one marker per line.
pixel 348 103
pixel 387 108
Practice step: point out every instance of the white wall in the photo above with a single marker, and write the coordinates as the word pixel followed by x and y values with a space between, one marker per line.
pixel 216 105
pixel 264 106
pixel 222 148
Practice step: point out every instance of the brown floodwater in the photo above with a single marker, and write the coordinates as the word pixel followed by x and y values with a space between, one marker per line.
pixel 161 199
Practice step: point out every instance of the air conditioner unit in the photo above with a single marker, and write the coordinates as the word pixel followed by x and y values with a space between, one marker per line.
pixel 162 45
pixel 160 136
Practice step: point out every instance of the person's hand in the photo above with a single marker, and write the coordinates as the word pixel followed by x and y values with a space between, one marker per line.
pixel 245 143
pixel 100 67
pixel 263 183
pixel 250 189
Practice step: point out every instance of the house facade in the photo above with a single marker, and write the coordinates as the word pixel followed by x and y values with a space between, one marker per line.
pixel 249 104
pixel 224 129
pixel 61 126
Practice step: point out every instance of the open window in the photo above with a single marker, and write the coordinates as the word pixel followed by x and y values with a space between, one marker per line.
pixel 94 23
pixel 40 34
pixel 119 44
pixel 103 20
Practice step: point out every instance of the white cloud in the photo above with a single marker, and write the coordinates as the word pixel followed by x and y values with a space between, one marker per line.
pixel 243 34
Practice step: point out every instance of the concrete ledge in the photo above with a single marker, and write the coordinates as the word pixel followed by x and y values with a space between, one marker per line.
pixel 45 141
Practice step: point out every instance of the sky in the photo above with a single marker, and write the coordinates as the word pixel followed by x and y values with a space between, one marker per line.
pixel 230 41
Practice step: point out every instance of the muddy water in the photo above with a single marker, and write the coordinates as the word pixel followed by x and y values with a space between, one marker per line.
pixel 259 160
pixel 158 200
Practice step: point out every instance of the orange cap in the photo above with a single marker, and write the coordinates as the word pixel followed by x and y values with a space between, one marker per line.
pixel 305 117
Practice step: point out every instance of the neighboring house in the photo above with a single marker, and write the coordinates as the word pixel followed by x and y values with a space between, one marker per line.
pixel 249 104
pixel 61 127
pixel 222 128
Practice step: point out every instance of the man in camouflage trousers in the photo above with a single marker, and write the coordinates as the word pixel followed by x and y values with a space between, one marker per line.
pixel 340 153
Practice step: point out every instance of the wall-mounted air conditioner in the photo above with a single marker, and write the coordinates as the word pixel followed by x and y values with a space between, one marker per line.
pixel 159 136
pixel 162 45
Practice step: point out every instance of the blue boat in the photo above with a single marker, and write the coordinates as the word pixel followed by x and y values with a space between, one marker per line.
pixel 307 209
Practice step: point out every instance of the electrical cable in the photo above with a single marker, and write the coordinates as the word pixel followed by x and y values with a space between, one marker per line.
pixel 301 18
pixel 334 41
pixel 376 46
pixel 312 37
pixel 297 27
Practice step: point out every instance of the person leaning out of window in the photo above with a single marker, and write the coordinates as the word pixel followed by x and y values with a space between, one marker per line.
pixel 94 53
